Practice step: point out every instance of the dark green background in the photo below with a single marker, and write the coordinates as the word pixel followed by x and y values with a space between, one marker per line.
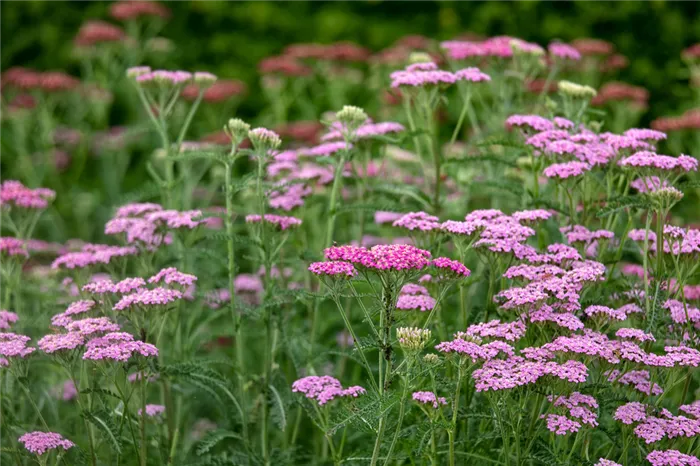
pixel 230 38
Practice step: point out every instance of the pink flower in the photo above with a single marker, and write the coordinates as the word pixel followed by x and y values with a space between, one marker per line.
pixel 323 389
pixel 408 302
pixel 41 442
pixel 152 410
pixel 566 170
pixel 279 221
pixel 60 342
pixel 564 51
pixel 118 346
pixel 333 269
pixel 14 193
pixel 449 268
pixel 429 398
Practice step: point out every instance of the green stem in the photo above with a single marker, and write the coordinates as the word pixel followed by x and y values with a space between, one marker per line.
pixel 337 182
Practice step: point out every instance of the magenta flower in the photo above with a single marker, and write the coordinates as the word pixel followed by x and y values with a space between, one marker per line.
pixel 510 331
pixel 279 221
pixel 13 247
pixel 323 389
pixel 429 398
pixel 92 325
pixel 561 425
pixel 333 269
pixel 14 193
pixel 391 257
pixel 448 268
pixel 41 442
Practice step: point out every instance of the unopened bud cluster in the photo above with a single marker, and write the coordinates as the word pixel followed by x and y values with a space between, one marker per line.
pixel 413 338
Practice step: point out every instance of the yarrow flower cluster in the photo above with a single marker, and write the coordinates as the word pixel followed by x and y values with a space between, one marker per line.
pixel 14 193
pixel 393 257
pixel 429 398
pixel 323 389
pixel 333 269
pixel 152 410
pixel 278 221
pixel 40 442
pixel 118 346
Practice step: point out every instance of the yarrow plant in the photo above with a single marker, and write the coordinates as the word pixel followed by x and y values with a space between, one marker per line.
pixel 464 253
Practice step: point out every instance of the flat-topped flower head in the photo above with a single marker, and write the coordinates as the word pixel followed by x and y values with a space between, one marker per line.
pixel 422 75
pixel 92 254
pixel 326 149
pixel 645 134
pixel 647 184
pixel 472 74
pixel 605 311
pixel 429 398
pixel 15 194
pixel 466 228
pixel 7 318
pixel 13 345
pixel 413 338
pixel 509 331
pixel 449 269
pixel 529 122
pixel 136 71
pixel 563 51
pixel 118 346
pixel 366 131
pixel 413 289
pixel 653 161
pixel 671 458
pixel 171 275
pixel 640 380
pixel 419 302
pixel 204 78
pixel 334 269
pixel 418 221
pixel 61 342
pixel 152 410
pixel 40 442
pixel 631 412
pixel 92 325
pixel 323 389
pixel 385 257
pixel 280 222
pixel 634 334
pixel 531 216
pixel 13 247
pixel 561 425
pixel 605 462
pixel 146 298
pixel 563 171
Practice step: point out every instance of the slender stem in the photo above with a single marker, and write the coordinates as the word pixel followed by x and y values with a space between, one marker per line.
pixel 399 422
pixel 455 410
pixel 142 420
pixel 336 299
pixel 337 182
pixel 460 120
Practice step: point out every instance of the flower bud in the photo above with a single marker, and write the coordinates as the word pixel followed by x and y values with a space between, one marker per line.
pixel 237 130
pixel 351 117
pixel 204 78
pixel 576 90
pixel 419 57
pixel 413 338
pixel 431 359
pixel 136 71
pixel 264 140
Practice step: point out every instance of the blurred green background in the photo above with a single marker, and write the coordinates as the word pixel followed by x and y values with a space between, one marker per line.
pixel 230 38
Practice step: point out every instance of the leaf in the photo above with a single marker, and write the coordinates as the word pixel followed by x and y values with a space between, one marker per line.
pixel 102 420
pixel 100 391
pixel 409 191
pixel 203 377
pixel 213 438
pixel 689 184
pixel 278 412
pixel 621 203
